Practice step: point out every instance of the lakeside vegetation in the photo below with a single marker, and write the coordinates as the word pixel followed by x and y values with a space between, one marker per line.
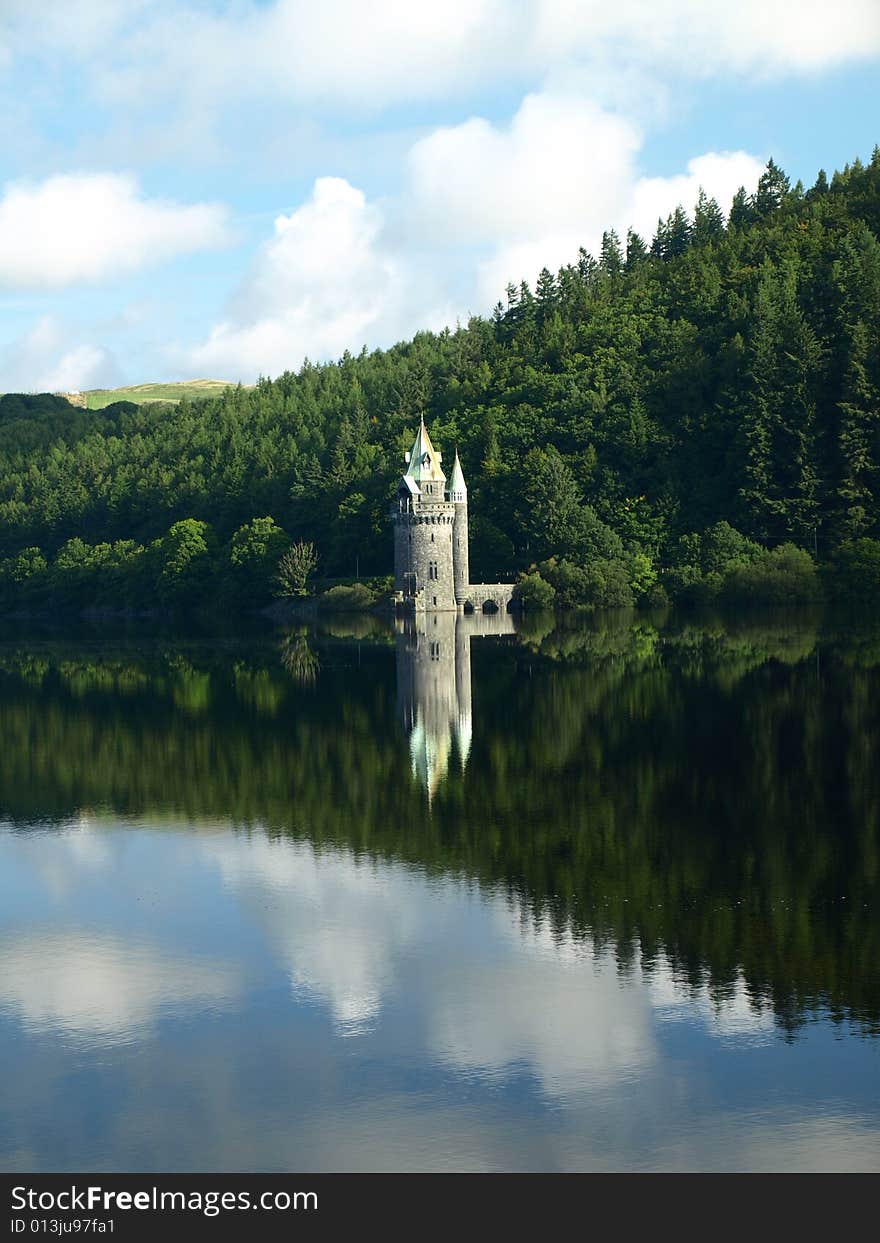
pixel 694 416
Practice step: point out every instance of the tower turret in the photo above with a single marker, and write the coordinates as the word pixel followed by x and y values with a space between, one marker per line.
pixel 457 489
pixel 423 519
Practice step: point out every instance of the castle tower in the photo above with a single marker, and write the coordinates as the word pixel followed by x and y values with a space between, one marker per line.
pixel 424 519
pixel 460 559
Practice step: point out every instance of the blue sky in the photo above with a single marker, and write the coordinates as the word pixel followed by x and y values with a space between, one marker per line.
pixel 197 187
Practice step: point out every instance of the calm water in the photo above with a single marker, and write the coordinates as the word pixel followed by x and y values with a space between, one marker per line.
pixel 599 897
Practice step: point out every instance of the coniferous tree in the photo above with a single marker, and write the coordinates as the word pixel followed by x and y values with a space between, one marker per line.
pixel 819 187
pixel 611 256
pixel 678 236
pixel 636 250
pixel 773 186
pixel 741 210
pixel 545 294
pixel 859 443
pixel 708 220
pixel 779 429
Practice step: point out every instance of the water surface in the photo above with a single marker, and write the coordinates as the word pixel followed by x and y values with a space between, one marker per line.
pixel 597 896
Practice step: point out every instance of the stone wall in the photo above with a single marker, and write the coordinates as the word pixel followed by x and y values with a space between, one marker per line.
pixel 423 538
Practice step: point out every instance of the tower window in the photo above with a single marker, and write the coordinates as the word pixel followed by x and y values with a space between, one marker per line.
pixel 432 570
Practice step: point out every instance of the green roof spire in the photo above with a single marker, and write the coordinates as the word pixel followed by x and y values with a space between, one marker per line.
pixel 424 460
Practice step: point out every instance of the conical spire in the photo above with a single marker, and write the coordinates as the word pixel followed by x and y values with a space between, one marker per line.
pixel 457 486
pixel 424 460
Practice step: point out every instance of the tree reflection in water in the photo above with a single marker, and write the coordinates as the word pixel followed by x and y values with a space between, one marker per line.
pixel 701 798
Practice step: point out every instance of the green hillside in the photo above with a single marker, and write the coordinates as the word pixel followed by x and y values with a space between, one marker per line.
pixel 692 416
pixel 141 394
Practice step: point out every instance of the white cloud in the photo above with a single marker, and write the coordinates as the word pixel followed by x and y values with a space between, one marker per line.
pixel 720 174
pixel 332 54
pixel 93 226
pixel 561 160
pixel 322 284
pixel 388 51
pixel 348 930
pixel 377 52
pixel 47 358
pixel 554 179
pixel 699 39
pixel 486 204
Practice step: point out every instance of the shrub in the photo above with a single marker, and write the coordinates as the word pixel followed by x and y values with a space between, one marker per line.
pixel 656 597
pixel 27 564
pixel 642 575
pixel 534 592
pixel 601 584
pixel 785 575
pixel 608 585
pixel 701 563
pixel 722 548
pixel 353 598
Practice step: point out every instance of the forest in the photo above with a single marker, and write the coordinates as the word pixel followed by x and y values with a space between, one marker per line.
pixel 692 417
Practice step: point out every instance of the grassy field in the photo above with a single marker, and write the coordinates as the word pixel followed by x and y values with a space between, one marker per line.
pixel 195 390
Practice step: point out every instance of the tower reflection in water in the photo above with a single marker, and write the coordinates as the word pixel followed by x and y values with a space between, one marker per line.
pixel 434 687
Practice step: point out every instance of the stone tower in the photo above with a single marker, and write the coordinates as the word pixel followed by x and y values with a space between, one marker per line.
pixel 424 521
pixel 460 559
pixel 431 562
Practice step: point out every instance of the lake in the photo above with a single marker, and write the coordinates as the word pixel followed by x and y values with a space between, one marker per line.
pixel 473 895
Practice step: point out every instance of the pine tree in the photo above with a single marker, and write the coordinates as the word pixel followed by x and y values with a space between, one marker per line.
pixel 779 425
pixel 660 240
pixel 587 265
pixel 708 220
pixel 636 250
pixel 679 233
pixel 773 186
pixel 610 256
pixel 741 210
pixel 819 187
pixel 859 443
pixel 546 294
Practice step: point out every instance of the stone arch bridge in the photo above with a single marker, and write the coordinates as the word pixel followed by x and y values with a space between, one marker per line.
pixel 489 598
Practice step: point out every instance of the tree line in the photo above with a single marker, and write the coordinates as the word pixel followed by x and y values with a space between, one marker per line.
pixel 692 416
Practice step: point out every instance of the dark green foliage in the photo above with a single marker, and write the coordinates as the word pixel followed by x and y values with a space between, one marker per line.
pixel 708 221
pixel 347 598
pixel 183 559
pixel 724 563
pixel 254 553
pixel 731 375
pixel 534 592
pixel 600 583
pixel 784 575
pixel 855 574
